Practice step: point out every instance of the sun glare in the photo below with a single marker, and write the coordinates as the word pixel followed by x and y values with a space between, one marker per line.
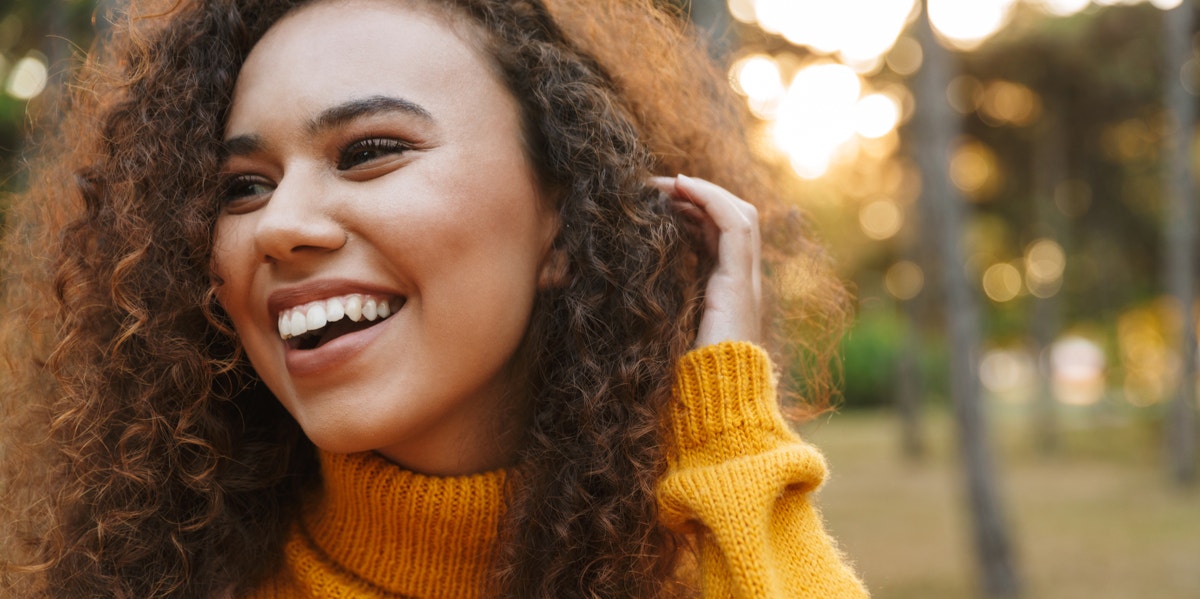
pixel 965 25
pixel 818 114
pixel 1063 8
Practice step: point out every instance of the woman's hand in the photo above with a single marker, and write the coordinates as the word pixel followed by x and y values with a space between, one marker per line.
pixel 727 228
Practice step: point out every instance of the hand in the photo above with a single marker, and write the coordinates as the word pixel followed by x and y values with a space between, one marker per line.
pixel 727 228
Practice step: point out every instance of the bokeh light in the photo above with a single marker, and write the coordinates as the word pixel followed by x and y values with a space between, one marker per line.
pixel 1008 374
pixel 880 219
pixel 876 115
pixel 964 94
pixel 906 56
pixel 1045 261
pixel 757 77
pixel 1005 102
pixel 973 170
pixel 27 78
pixel 904 280
pixel 817 115
pixel 835 27
pixel 1063 8
pixel 965 25
pixel 742 10
pixel 1002 282
pixel 1077 367
pixel 1151 367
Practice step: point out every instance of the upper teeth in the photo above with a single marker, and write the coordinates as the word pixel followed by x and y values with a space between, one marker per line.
pixel 314 316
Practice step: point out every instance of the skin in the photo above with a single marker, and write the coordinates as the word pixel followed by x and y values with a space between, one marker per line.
pixel 372 149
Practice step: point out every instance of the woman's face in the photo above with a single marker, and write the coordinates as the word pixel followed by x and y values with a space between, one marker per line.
pixel 376 158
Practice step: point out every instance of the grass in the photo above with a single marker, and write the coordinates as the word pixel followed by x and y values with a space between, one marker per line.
pixel 1098 520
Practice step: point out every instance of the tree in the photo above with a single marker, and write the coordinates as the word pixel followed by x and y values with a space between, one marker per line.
pixel 936 126
pixel 1181 240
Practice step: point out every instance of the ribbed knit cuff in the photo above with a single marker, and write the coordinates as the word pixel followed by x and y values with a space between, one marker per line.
pixel 725 405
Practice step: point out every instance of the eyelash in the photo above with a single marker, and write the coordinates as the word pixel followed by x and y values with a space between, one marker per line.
pixel 239 187
pixel 374 147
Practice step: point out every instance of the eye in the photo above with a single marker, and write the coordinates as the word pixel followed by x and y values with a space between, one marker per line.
pixel 368 150
pixel 242 188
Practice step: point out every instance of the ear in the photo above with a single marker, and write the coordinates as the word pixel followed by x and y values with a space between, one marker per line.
pixel 555 271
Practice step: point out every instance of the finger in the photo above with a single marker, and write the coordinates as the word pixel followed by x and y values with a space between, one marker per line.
pixel 664 184
pixel 736 220
pixel 728 210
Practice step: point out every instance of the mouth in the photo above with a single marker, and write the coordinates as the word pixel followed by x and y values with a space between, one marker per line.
pixel 312 325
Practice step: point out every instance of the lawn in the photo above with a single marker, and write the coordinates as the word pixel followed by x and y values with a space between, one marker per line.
pixel 1096 521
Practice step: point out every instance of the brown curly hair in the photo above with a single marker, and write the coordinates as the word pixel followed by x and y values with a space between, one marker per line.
pixel 143 458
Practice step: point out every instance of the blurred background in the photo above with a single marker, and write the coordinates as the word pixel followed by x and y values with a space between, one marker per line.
pixel 1008 186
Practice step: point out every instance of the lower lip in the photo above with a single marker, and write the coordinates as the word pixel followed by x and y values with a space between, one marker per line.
pixel 332 355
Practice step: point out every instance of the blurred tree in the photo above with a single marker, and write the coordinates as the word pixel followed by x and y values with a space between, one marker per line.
pixel 1049 172
pixel 1181 238
pixel 936 125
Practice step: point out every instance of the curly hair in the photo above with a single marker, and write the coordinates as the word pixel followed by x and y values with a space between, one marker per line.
pixel 145 459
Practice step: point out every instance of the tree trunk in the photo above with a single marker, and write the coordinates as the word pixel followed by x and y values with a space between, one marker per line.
pixel 937 126
pixel 1049 166
pixel 1181 242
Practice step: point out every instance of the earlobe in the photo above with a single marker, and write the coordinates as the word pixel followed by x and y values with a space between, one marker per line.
pixel 554 273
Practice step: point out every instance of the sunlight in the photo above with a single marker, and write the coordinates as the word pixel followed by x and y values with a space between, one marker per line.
pixel 876 115
pixel 817 115
pixel 965 25
pixel 757 76
pixel 835 27
pixel 1063 8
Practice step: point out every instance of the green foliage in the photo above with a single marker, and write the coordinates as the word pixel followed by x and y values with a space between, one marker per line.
pixel 872 350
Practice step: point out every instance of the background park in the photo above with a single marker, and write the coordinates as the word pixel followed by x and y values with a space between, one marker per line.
pixel 1009 188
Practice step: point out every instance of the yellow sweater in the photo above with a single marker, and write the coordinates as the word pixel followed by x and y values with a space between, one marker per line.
pixel 737 476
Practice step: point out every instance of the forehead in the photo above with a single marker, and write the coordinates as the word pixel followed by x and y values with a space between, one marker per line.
pixel 332 50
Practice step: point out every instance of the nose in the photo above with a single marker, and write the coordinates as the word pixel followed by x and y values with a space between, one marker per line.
pixel 297 221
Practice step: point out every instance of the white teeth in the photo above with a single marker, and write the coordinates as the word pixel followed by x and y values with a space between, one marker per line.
pixel 315 319
pixel 314 316
pixel 354 308
pixel 334 311
pixel 299 323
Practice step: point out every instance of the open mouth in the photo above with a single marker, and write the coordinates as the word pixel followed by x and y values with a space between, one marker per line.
pixel 313 325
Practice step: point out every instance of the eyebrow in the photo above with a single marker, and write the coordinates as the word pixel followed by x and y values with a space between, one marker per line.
pixel 369 106
pixel 333 116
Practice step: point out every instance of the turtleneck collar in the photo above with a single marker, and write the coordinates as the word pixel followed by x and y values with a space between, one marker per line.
pixel 401 532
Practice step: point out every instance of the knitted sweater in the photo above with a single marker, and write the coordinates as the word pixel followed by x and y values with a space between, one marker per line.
pixel 737 477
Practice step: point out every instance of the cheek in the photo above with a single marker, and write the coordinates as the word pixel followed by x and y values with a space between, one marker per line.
pixel 228 258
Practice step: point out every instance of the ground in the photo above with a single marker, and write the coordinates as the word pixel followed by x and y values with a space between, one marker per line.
pixel 1099 520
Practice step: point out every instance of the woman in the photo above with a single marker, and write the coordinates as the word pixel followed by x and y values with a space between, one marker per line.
pixel 422 237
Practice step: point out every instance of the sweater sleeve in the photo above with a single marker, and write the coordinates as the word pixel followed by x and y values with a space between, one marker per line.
pixel 741 480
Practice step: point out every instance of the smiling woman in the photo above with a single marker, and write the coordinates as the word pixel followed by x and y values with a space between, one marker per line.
pixel 392 167
pixel 382 298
